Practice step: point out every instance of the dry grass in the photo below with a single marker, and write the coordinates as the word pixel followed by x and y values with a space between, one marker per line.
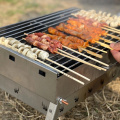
pixel 103 105
pixel 14 10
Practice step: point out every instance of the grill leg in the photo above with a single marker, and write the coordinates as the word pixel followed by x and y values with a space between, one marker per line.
pixel 52 113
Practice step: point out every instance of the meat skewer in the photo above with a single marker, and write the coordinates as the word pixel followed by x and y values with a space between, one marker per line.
pixel 70 37
pixel 52 31
pixel 33 53
pixel 31 41
pixel 78 52
pixel 87 24
pixel 102 25
pixel 81 33
pixel 83 36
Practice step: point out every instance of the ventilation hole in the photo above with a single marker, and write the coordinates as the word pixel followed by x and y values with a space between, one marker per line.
pixel 12 58
pixel 16 90
pixel 90 90
pixel 102 82
pixel 76 99
pixel 42 73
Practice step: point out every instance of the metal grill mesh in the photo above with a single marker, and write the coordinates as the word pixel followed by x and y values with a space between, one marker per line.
pixel 41 24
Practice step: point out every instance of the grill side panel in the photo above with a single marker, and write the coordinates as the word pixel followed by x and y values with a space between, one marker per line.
pixel 28 74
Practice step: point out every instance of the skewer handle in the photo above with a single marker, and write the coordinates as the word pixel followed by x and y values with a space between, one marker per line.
pixel 87 56
pixel 97 49
pixel 80 60
pixel 113 36
pixel 106 40
pixel 116 30
pixel 68 69
pixel 112 28
pixel 92 53
pixel 69 76
pixel 104 45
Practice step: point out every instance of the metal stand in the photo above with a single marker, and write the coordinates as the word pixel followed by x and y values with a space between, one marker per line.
pixel 53 110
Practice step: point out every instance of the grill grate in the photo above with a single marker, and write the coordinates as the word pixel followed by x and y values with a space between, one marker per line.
pixel 41 24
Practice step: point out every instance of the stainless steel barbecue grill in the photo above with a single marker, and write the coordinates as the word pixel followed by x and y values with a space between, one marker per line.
pixel 42 87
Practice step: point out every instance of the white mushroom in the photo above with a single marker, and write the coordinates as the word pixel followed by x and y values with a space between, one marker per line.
pixel 109 14
pixel 104 14
pixel 100 12
pixel 113 24
pixel 43 55
pixel 15 47
pixel 34 49
pixel 20 50
pixel 27 46
pixel 24 52
pixel 21 45
pixel 31 55
pixel 2 39
pixel 6 43
pixel 13 41
pixel 115 17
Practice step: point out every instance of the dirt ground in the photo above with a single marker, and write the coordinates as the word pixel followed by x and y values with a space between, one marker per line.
pixel 103 105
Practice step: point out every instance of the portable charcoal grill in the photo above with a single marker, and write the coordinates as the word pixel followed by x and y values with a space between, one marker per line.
pixel 41 87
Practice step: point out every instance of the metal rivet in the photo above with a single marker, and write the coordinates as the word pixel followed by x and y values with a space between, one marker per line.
pixel 50 110
pixel 102 82
pixel 76 99
pixel 61 109
pixel 16 90
pixel 113 75
pixel 90 90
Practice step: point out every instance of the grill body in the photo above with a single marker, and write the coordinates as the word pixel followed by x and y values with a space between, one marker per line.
pixel 40 86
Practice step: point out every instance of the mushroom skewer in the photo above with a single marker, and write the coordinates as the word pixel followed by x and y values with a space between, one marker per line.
pixel 112 21
pixel 38 53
